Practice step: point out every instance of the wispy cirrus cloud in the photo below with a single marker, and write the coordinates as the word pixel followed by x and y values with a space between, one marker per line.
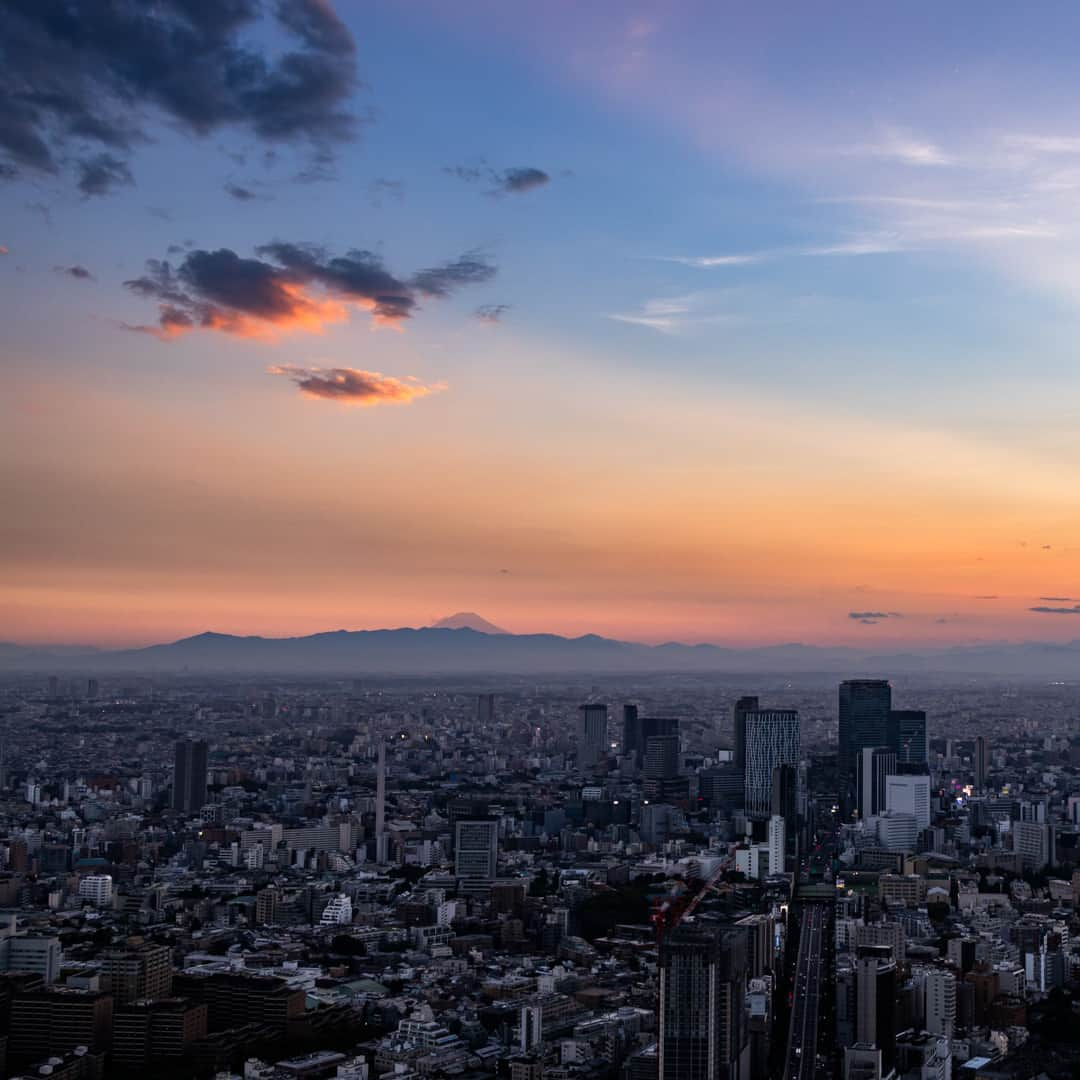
pixel 903 148
pixel 354 386
pixel 850 247
pixel 1056 610
pixel 291 288
pixel 672 315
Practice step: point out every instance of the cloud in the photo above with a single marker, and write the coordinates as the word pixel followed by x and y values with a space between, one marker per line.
pixel 672 315
pixel 290 288
pixel 471 268
pixel 989 596
pixel 905 149
pixel 870 617
pixel 852 247
pixel 1057 610
pixel 241 194
pixel 98 175
pixel 519 180
pixel 513 181
pixel 352 386
pixel 88 74
pixel 491 313
pixel 79 272
pixel 1056 599
pixel 711 262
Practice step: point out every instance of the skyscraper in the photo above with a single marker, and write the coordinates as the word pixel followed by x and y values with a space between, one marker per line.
pixel 663 781
pixel 662 757
pixel 593 736
pixel 907 736
pixel 702 1033
pixel 864 710
pixel 743 706
pixel 982 762
pixel 189 776
pixel 875 989
pixel 874 765
pixel 476 850
pixel 771 738
pixel 631 740
pixel 381 853
pixel 485 710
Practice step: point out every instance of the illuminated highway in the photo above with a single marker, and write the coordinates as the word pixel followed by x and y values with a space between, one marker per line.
pixel 806 994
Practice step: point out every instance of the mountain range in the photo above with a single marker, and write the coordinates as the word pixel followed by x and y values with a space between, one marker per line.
pixel 462 649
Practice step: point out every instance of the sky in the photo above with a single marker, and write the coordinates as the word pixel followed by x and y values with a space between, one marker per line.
pixel 670 321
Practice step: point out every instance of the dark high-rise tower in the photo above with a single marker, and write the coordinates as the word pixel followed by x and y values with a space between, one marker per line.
pixel 189 776
pixel 865 705
pixel 485 710
pixel 907 737
pixel 982 762
pixel 702 1034
pixel 875 989
pixel 662 761
pixel 631 739
pixel 743 706
pixel 593 737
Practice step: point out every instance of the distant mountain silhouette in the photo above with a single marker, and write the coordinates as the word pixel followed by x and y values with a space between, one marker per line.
pixel 467 620
pixel 437 651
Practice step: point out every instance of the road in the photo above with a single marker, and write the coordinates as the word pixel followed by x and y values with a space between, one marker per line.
pixel 806 994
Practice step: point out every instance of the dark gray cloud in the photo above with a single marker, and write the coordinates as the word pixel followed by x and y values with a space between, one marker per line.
pixel 513 181
pixel 491 313
pixel 472 268
pixel 869 618
pixel 1056 610
pixel 78 272
pixel 518 181
pixel 99 174
pixel 241 194
pixel 1056 599
pixel 289 286
pixel 87 75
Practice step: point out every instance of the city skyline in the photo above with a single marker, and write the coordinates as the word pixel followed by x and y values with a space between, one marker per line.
pixel 707 325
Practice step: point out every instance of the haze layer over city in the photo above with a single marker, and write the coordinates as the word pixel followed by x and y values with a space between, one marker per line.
pixel 539 541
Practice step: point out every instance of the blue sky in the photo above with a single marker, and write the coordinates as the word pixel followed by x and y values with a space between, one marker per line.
pixel 787 331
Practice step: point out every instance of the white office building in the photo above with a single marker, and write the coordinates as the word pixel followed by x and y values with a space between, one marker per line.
pixel 97 888
pixel 337 912
pixel 909 795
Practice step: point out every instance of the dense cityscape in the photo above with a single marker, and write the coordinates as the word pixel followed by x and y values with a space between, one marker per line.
pixel 650 878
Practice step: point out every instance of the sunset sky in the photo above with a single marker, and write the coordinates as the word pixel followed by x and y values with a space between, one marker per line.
pixel 660 321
